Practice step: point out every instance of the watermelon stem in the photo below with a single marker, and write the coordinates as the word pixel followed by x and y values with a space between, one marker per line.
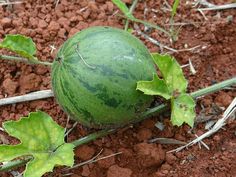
pixel 92 137
pixel 14 58
pixel 77 51
pixel 130 11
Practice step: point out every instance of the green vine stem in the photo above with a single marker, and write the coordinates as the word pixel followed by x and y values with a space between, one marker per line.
pixel 214 88
pixel 14 58
pixel 148 113
pixel 14 164
pixel 131 11
pixel 92 136
pixel 196 94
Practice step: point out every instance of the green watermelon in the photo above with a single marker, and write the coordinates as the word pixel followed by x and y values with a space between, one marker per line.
pixel 94 77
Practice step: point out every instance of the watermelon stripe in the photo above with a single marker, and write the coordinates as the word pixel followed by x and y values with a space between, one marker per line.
pixel 105 94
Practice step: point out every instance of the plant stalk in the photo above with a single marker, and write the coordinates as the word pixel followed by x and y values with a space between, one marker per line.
pixel 131 11
pixel 14 58
pixel 149 25
pixel 148 113
pixel 195 95
pixel 214 88
pixel 93 136
pixel 14 164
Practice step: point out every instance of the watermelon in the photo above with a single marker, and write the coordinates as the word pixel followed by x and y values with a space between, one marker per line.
pixel 94 77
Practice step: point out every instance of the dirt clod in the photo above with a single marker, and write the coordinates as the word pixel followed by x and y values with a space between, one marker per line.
pixel 144 134
pixel 6 22
pixel 149 154
pixel 223 99
pixel 29 82
pixel 10 86
pixel 85 152
pixel 107 162
pixel 116 171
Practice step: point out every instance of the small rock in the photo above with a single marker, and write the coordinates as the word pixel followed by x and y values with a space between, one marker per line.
pixel 86 14
pixel 41 70
pixel 116 171
pixel 107 162
pixel 144 134
pixel 92 5
pixel 64 22
pixel 149 154
pixel 85 152
pixel 85 171
pixel 6 22
pixel 10 86
pixel 72 32
pixel 110 6
pixel 29 82
pixel 42 24
pixel 165 166
pixel 53 26
pixel 62 33
pixel 170 158
pixel 223 99
pixel 32 21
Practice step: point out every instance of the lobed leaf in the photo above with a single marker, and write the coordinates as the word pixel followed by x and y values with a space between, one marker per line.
pixel 123 8
pixel 155 87
pixel 171 73
pixel 182 110
pixel 22 45
pixel 41 138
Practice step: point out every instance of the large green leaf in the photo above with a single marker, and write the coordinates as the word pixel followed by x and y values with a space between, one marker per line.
pixel 22 45
pixel 41 138
pixel 155 87
pixel 182 110
pixel 171 72
pixel 122 6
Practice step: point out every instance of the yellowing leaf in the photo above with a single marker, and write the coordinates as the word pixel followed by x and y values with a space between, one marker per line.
pixel 41 138
pixel 155 87
pixel 22 45
pixel 182 110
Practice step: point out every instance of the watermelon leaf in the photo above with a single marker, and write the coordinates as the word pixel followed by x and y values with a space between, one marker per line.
pixel 41 138
pixel 182 110
pixel 171 73
pixel 22 45
pixel 155 87
pixel 123 8
pixel 173 86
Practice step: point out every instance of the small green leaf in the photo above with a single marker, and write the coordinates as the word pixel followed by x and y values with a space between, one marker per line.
pixel 122 6
pixel 174 8
pixel 171 72
pixel 155 87
pixel 41 138
pixel 182 110
pixel 22 45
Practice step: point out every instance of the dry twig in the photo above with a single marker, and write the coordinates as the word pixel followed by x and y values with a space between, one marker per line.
pixel 218 125
pixel 27 97
pixel 220 7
